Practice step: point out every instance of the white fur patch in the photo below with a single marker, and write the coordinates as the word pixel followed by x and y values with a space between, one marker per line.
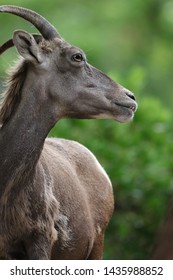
pixel 63 229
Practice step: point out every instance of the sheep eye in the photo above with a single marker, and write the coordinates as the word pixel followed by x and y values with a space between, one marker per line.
pixel 78 57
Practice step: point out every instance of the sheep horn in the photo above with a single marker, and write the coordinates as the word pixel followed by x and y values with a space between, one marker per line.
pixel 47 30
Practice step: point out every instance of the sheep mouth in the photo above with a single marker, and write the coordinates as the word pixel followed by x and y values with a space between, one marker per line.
pixel 131 107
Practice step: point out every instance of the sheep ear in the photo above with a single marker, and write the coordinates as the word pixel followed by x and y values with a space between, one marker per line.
pixel 27 46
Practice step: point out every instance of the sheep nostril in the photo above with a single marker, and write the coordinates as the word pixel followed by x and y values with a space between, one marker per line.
pixel 129 94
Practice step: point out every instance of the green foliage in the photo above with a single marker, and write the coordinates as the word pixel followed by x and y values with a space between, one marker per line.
pixel 132 42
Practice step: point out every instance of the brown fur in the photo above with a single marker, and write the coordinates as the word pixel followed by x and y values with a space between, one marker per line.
pixel 68 179
pixel 17 74
pixel 55 198
pixel 11 97
pixel 22 211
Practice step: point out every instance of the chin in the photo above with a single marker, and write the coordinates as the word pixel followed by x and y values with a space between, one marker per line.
pixel 124 119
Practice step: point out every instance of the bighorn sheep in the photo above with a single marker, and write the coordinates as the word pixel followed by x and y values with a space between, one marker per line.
pixel 55 198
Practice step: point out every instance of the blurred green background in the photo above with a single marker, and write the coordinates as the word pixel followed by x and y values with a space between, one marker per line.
pixel 132 41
